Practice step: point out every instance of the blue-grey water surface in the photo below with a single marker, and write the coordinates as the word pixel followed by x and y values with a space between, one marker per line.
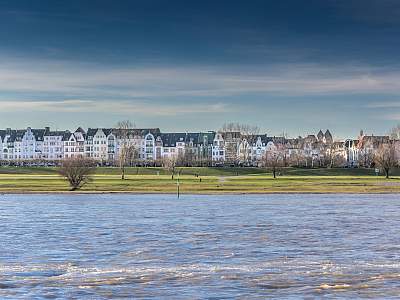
pixel 199 247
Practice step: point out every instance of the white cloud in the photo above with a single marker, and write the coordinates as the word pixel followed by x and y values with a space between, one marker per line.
pixel 66 79
pixel 384 104
pixel 113 106
pixel 392 117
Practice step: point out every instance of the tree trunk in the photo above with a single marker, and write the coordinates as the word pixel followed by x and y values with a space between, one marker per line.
pixel 123 173
pixel 387 172
pixel 274 172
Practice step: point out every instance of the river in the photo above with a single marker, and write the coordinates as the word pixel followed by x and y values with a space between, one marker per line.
pixel 199 247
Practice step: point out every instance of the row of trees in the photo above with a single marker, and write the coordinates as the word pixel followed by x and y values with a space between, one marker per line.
pixel 78 170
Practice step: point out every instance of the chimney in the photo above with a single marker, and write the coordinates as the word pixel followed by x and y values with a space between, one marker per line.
pixel 47 129
pixel 8 131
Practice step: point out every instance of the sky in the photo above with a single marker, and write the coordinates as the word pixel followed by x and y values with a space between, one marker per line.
pixel 286 66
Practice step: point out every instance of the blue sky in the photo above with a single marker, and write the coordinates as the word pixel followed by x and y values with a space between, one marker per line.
pixel 286 66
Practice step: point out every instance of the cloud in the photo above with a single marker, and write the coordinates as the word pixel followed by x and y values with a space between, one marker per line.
pixel 118 107
pixel 383 104
pixel 385 110
pixel 35 79
pixel 392 117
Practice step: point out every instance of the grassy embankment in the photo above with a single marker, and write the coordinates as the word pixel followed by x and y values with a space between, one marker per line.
pixel 213 180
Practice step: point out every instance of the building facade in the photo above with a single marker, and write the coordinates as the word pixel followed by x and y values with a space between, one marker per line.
pixel 150 145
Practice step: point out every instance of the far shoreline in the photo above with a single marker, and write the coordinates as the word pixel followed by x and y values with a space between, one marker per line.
pixel 192 194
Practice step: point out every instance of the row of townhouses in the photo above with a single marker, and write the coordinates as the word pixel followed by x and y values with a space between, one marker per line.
pixel 151 146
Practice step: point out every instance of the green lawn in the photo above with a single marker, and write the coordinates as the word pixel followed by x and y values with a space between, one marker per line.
pixel 139 171
pixel 213 180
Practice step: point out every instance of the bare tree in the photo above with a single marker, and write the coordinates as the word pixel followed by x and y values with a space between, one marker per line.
pixel 169 164
pixel 244 129
pixel 365 158
pixel 329 155
pixel 338 160
pixel 273 160
pixel 385 158
pixel 334 156
pixel 230 127
pixel 296 158
pixel 126 151
pixel 248 132
pixel 285 155
pixel 189 157
pixel 77 171
pixel 395 132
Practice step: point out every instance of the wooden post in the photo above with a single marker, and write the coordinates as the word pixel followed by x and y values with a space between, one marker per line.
pixel 177 187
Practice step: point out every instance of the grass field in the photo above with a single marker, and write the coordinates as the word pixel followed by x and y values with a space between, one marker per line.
pixel 213 180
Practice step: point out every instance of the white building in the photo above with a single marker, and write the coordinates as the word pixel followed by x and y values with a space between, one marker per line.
pixel 53 146
pixel 22 145
pixel 218 149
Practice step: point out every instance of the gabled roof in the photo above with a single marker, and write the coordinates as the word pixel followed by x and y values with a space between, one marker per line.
pixel 66 135
pixel 2 135
pixel 16 135
pixel 107 131
pixel 328 134
pixel 38 133
pixel 79 129
pixel 92 131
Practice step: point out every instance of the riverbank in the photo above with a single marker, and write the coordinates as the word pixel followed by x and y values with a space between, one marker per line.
pixel 209 181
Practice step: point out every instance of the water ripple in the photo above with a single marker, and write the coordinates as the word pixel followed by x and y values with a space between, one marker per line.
pixel 199 247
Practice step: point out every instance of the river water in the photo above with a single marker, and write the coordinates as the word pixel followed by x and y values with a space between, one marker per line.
pixel 199 247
